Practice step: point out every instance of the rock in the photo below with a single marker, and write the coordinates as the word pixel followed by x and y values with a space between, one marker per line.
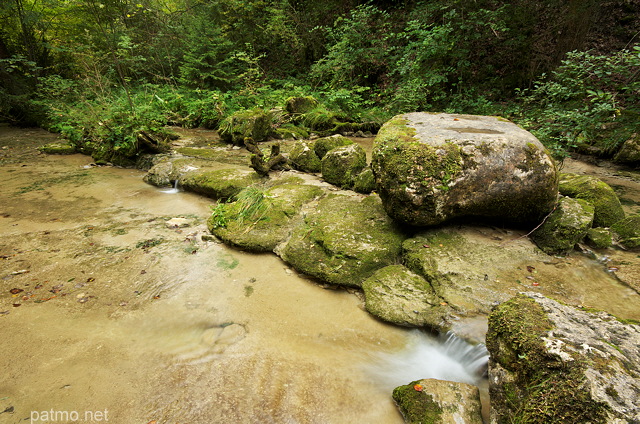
pixel 301 104
pixel 177 223
pixel 261 219
pixel 341 166
pixel 168 170
pixel 627 231
pixel 431 168
pixel 397 295
pixel 565 227
pixel 365 181
pixel 289 131
pixel 304 158
pixel 599 194
pixel 551 363
pixel 221 184
pixel 433 401
pixel 600 238
pixel 254 123
pixel 629 153
pixel 343 240
pixel 323 145
pixel 58 149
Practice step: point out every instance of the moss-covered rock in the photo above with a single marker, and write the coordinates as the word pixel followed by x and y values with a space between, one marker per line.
pixel 261 219
pixel 58 149
pixel 343 240
pixel 607 207
pixel 629 153
pixel 431 168
pixel 289 131
pixel 221 184
pixel 168 169
pixel 301 104
pixel 365 181
pixel 323 145
pixel 566 226
pixel 254 123
pixel 341 166
pixel 432 401
pixel 550 363
pixel 628 231
pixel 397 295
pixel 600 238
pixel 304 158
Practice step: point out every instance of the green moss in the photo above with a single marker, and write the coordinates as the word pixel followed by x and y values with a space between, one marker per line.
pixel 58 149
pixel 628 231
pixel 599 238
pixel 608 209
pixel 289 131
pixel 565 227
pixel 417 407
pixel 219 184
pixel 340 166
pixel 254 123
pixel 322 145
pixel 304 158
pixel 365 181
pixel 301 104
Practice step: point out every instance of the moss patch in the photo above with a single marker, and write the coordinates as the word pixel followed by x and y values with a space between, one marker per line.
pixel 607 207
pixel 628 231
pixel 58 149
pixel 565 227
pixel 220 184
pixel 254 123
pixel 323 145
pixel 417 407
pixel 340 166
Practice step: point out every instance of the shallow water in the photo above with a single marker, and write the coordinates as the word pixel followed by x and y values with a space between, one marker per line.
pixel 106 310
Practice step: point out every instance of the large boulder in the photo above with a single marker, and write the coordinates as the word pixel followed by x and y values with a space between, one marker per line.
pixel 300 105
pixel 629 153
pixel 551 363
pixel 221 184
pixel 627 231
pixel 169 170
pixel 253 123
pixel 431 401
pixel 325 144
pixel 304 158
pixel 565 227
pixel 607 207
pixel 341 166
pixel 431 168
pixel 343 240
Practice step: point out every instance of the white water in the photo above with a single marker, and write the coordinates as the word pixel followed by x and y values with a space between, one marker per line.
pixel 447 358
pixel 172 190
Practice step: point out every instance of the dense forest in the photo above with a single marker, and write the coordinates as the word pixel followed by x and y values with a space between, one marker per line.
pixel 103 72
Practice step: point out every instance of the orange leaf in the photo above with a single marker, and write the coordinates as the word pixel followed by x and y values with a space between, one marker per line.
pixel 418 388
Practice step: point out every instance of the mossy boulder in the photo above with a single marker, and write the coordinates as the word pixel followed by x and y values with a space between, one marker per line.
pixel 397 295
pixel 599 194
pixel 431 401
pixel 551 363
pixel 565 227
pixel 221 184
pixel 323 145
pixel 261 219
pixel 627 231
pixel 304 158
pixel 365 181
pixel 288 131
pixel 343 240
pixel 341 166
pixel 600 238
pixel 300 105
pixel 431 168
pixel 629 153
pixel 254 123
pixel 168 169
pixel 58 149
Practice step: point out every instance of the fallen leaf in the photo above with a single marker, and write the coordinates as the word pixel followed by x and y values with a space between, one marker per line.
pixel 156 296
pixel 613 268
pixel 15 305
pixel 530 268
pixel 15 291
pixel 535 284
pixel 418 388
pixel 22 271
pixel 90 280
pixel 426 246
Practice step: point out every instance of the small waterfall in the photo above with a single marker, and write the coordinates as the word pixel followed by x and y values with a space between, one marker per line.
pixel 444 358
pixel 172 190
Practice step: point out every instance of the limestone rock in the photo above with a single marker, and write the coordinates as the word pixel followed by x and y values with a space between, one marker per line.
pixel 177 223
pixel 304 158
pixel 221 184
pixel 565 227
pixel 254 123
pixel 58 149
pixel 397 295
pixel 607 207
pixel 168 170
pixel 340 166
pixel 599 238
pixel 343 240
pixel 301 104
pixel 431 168
pixel 629 153
pixel 323 145
pixel 365 181
pixel 431 401
pixel 628 231
pixel 552 363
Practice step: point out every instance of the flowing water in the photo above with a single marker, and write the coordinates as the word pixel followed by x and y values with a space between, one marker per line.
pixel 108 310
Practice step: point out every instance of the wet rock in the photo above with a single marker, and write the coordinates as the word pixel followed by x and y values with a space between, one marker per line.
pixel 58 149
pixel 565 227
pixel 365 181
pixel 221 184
pixel 323 145
pixel 600 238
pixel 300 105
pixel 627 231
pixel 304 158
pixel 629 153
pixel 439 402
pixel 607 207
pixel 397 295
pixel 343 240
pixel 177 223
pixel 288 131
pixel 254 123
pixel 552 363
pixel 260 219
pixel 341 166
pixel 168 170
pixel 431 168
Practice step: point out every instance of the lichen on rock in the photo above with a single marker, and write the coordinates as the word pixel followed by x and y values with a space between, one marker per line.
pixel 607 207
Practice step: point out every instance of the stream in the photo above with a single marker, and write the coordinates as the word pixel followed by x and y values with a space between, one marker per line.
pixel 109 308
